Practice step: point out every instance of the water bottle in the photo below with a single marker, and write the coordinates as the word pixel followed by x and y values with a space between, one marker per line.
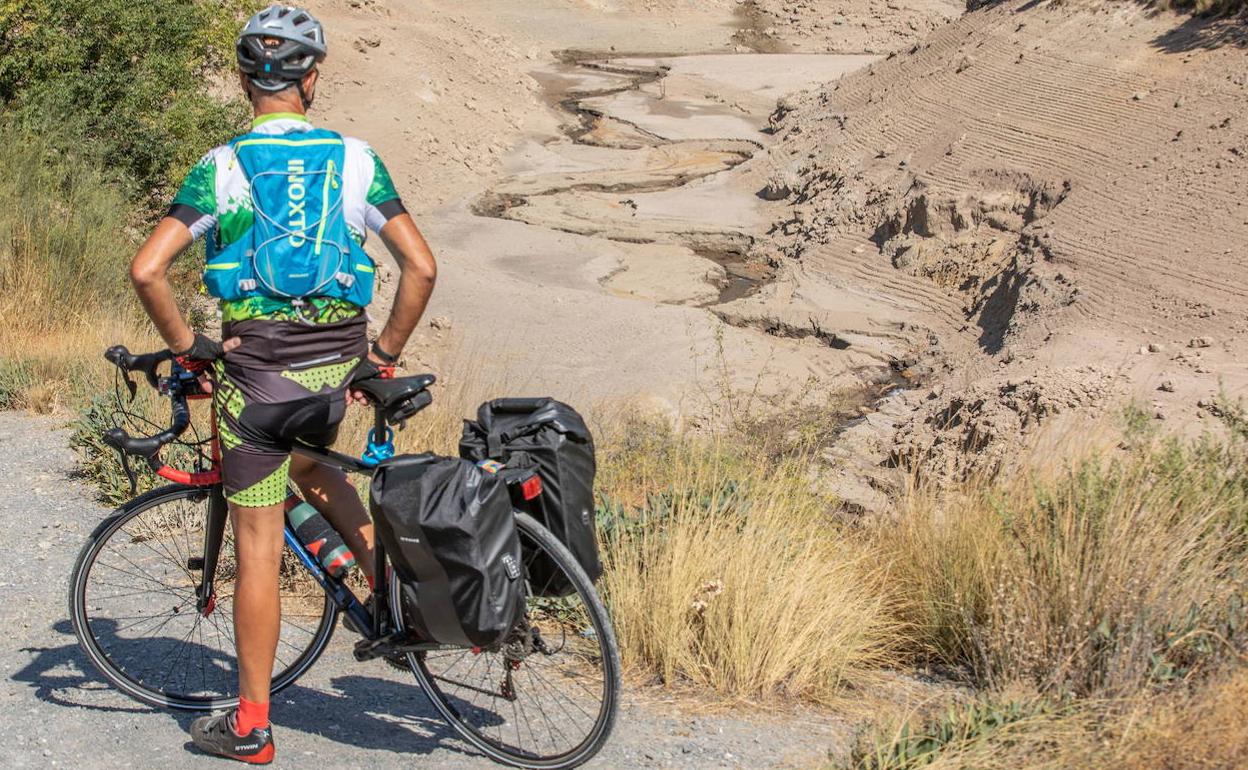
pixel 319 537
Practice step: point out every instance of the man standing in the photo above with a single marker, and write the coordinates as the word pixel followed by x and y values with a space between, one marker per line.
pixel 286 208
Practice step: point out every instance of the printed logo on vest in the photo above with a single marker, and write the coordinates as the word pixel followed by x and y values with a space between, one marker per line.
pixel 296 194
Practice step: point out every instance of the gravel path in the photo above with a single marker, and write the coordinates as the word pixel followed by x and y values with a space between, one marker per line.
pixel 59 712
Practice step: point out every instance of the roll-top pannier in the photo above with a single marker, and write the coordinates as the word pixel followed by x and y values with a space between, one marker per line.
pixel 449 530
pixel 550 437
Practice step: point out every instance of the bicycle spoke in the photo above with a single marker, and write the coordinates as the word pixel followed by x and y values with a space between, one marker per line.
pixel 164 588
pixel 535 697
pixel 142 617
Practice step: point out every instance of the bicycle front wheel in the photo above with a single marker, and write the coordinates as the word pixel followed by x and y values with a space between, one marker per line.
pixel 132 600
pixel 548 697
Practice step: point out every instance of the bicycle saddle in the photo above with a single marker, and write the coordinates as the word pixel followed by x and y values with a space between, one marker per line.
pixel 388 393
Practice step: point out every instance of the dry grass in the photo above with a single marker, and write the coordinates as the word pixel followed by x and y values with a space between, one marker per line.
pixel 51 369
pixel 724 571
pixel 64 293
pixel 1093 578
pixel 1106 587
pixel 1200 727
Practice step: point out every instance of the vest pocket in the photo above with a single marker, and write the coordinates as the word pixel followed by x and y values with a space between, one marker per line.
pixel 229 276
pixel 364 272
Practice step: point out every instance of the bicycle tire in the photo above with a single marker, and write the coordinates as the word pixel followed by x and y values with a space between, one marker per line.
pixel 607 645
pixel 114 671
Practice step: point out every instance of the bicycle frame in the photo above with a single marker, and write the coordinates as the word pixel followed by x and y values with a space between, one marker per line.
pixel 180 386
pixel 374 625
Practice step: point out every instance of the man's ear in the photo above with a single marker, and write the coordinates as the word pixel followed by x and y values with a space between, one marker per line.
pixel 309 84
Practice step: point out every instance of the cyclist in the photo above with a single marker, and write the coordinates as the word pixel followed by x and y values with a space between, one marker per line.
pixel 284 369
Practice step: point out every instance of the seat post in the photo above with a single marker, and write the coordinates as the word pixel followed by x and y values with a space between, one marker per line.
pixel 379 424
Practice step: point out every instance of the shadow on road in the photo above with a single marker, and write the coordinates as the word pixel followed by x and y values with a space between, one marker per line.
pixel 367 712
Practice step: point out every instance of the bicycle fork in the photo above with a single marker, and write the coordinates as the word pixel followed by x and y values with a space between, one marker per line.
pixel 214 536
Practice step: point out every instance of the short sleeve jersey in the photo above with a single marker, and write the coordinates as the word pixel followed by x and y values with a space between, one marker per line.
pixel 215 200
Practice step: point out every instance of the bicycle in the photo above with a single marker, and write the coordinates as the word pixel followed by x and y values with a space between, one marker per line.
pixel 150 593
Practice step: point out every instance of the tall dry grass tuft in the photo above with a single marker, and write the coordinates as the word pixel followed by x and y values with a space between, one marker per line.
pixel 64 293
pixel 63 247
pixel 1093 577
pixel 724 571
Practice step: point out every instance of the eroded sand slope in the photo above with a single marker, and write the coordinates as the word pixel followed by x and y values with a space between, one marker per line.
pixel 1056 191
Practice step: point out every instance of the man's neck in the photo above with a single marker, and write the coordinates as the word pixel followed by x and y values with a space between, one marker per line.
pixel 279 104
pixel 260 119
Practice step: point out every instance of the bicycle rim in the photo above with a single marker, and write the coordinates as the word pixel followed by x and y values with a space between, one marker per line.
pixel 133 607
pixel 562 706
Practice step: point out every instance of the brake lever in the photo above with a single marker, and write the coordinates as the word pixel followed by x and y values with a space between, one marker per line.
pixel 130 474
pixel 130 384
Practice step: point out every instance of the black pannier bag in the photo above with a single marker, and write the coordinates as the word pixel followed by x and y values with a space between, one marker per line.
pixel 552 438
pixel 449 530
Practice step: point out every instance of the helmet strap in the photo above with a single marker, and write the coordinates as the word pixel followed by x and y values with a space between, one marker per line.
pixel 303 97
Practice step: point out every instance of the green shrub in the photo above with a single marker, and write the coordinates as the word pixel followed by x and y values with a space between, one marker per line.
pixel 101 464
pixel 127 84
pixel 958 730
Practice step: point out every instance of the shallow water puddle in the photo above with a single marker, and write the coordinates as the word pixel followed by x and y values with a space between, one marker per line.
pixel 645 136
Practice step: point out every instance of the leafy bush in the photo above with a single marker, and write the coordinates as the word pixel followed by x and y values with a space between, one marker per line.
pixel 104 102
pixel 101 464
pixel 125 84
pixel 956 733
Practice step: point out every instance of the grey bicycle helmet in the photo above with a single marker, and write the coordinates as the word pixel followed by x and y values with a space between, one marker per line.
pixel 279 46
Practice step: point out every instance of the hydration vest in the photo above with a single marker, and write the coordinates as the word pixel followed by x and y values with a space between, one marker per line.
pixel 299 245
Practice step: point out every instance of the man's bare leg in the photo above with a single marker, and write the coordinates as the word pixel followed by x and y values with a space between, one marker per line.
pixel 257 604
pixel 331 493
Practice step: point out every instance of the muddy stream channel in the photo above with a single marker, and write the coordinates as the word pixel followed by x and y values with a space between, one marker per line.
pixel 645 139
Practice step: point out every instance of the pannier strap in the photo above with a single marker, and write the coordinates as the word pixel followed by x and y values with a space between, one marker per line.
pixel 495 441
pixel 517 405
pixel 494 444
pixel 520 432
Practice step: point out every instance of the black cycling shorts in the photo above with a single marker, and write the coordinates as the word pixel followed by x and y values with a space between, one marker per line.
pixel 287 381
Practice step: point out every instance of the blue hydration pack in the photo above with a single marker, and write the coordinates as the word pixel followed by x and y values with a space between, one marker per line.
pixel 299 245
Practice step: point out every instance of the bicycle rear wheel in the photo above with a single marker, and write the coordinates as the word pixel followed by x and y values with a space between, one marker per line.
pixel 133 605
pixel 547 699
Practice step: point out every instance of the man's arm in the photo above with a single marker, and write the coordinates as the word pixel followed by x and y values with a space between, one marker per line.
pixel 417 273
pixel 149 272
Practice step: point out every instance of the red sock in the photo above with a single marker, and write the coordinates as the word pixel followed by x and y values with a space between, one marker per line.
pixel 370 582
pixel 250 716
